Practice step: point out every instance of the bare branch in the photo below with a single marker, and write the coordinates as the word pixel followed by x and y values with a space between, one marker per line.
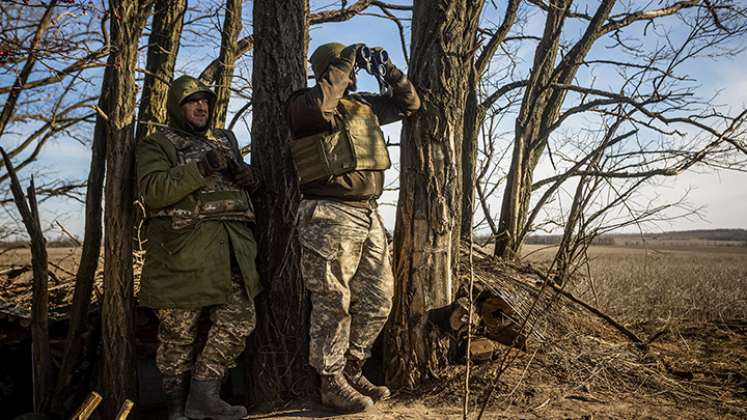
pixel 618 22
pixel 512 9
pixel 15 91
pixel 340 15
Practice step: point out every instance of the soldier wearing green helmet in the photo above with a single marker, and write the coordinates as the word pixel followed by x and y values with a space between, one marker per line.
pixel 340 154
pixel 200 250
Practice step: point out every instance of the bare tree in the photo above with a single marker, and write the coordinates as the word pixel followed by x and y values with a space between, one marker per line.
pixel 552 84
pixel 118 378
pixel 23 76
pixel 50 51
pixel 227 59
pixel 163 48
pixel 426 236
pixel 40 352
pixel 475 111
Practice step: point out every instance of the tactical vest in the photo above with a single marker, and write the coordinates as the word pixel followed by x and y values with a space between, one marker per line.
pixel 357 143
pixel 221 198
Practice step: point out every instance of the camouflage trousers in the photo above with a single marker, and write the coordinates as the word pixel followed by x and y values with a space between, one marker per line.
pixel 346 268
pixel 231 324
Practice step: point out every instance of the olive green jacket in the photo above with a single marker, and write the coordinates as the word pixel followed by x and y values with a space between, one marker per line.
pixel 187 267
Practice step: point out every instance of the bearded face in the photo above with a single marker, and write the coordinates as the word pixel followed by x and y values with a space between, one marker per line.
pixel 197 112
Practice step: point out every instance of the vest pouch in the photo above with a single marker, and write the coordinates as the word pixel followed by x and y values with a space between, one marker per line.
pixel 187 207
pixel 369 146
pixel 323 156
pixel 221 202
pixel 357 144
pixel 310 159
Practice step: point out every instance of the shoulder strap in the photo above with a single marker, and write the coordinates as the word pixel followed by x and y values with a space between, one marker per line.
pixel 232 139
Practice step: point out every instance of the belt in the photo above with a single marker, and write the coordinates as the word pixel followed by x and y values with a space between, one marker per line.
pixel 370 203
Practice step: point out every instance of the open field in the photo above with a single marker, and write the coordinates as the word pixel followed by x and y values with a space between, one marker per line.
pixel 690 302
pixel 634 283
pixel 15 277
pixel 660 284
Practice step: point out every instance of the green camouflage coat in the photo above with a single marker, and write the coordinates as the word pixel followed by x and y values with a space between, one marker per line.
pixel 187 266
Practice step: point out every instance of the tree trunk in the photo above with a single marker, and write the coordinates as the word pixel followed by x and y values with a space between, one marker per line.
pixel 474 116
pixel 279 345
pixel 472 123
pixel 40 355
pixel 163 47
pixel 518 182
pixel 540 110
pixel 118 378
pixel 427 230
pixel 89 259
pixel 227 59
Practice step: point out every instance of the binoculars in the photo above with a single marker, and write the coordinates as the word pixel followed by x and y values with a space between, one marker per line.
pixel 374 61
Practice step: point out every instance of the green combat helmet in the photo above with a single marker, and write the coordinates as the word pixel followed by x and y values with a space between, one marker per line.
pixel 323 56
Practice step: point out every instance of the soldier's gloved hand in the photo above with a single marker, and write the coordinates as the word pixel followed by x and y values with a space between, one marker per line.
pixel 393 74
pixel 245 178
pixel 347 55
pixel 211 162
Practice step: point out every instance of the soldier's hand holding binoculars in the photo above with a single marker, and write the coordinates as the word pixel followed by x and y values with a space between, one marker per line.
pixel 350 53
pixel 213 161
pixel 375 61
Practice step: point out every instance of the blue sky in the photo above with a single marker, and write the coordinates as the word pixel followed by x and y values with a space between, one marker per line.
pixel 723 194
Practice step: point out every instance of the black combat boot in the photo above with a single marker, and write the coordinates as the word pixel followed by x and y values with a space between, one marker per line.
pixel 175 389
pixel 204 402
pixel 354 374
pixel 338 395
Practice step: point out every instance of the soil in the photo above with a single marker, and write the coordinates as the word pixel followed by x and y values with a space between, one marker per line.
pixel 704 366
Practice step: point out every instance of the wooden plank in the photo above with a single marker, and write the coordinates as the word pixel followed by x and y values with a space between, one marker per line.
pixel 88 407
pixel 124 411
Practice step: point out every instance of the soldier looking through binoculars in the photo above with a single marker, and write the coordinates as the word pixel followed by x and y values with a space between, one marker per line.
pixel 340 154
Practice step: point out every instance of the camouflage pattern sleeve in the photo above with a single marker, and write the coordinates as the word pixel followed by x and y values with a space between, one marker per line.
pixel 160 183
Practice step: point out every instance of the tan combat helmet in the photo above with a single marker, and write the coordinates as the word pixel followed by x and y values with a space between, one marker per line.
pixel 323 56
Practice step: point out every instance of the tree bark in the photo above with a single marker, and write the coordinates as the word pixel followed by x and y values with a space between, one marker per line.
pixel 118 378
pixel 40 354
pixel 279 345
pixel 472 123
pixel 89 259
pixel 227 60
pixel 163 47
pixel 427 224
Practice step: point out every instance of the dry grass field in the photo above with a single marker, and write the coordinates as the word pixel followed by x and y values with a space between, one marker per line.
pixel 15 277
pixel 662 283
pixel 691 301
pixel 635 284
pixel 689 304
